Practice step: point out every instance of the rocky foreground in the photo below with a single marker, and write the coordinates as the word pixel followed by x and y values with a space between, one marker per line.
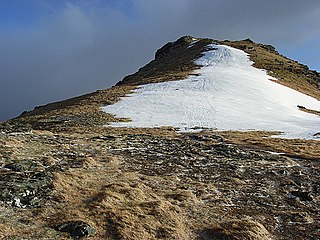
pixel 65 175
pixel 158 185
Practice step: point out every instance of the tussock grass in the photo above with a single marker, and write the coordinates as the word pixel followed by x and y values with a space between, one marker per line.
pixel 116 203
pixel 236 230
pixel 263 140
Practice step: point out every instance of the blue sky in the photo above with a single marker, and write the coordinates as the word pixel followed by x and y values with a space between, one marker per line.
pixel 17 13
pixel 21 13
pixel 55 49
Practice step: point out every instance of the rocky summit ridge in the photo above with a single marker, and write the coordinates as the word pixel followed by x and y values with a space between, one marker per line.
pixel 65 173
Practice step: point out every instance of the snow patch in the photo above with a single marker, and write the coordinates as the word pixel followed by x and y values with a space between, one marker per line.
pixel 193 43
pixel 228 94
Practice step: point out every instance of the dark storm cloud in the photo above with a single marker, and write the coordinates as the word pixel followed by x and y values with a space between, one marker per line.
pixel 266 20
pixel 86 45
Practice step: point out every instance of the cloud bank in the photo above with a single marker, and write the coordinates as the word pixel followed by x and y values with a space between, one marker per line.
pixel 75 47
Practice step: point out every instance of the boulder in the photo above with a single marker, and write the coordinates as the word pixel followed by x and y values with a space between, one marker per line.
pixel 76 229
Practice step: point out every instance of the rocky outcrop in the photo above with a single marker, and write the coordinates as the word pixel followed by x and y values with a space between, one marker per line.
pixel 76 229
pixel 173 61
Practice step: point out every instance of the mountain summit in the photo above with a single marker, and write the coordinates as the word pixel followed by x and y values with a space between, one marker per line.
pixel 210 140
pixel 182 60
pixel 224 88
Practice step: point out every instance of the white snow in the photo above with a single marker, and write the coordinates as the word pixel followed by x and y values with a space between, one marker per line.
pixel 193 43
pixel 229 94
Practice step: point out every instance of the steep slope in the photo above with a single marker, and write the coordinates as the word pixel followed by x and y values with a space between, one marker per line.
pixel 226 88
pixel 174 61
pixel 174 58
pixel 64 174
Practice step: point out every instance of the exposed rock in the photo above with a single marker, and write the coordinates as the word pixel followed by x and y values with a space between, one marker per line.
pixel 300 218
pixel 167 48
pixel 24 189
pixel 301 107
pixel 248 40
pixel 76 229
pixel 303 196
pixel 164 50
pixel 23 166
pixel 269 48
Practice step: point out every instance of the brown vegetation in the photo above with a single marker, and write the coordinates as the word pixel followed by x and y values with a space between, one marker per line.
pixel 269 141
pixel 287 72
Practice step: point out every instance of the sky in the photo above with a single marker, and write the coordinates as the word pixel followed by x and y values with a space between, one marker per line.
pixel 51 50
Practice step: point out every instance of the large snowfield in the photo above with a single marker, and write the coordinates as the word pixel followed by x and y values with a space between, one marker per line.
pixel 229 94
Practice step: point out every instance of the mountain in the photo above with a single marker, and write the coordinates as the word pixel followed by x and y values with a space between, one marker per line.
pixel 142 160
pixel 225 88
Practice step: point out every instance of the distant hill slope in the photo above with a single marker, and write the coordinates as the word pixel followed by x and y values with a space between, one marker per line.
pixel 174 61
pixel 64 174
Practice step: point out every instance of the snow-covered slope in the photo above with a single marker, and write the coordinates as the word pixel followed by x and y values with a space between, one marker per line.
pixel 229 94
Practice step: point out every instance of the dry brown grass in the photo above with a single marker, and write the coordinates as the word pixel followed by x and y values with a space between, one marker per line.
pixel 288 72
pixel 124 204
pixel 6 230
pixel 162 131
pixel 263 140
pixel 309 110
pixel 243 229
pixel 116 203
pixel 17 224
pixel 75 113
pixel 120 205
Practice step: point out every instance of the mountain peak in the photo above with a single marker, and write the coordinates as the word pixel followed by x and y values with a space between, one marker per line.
pixel 225 87
pixel 173 61
pixel 77 175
